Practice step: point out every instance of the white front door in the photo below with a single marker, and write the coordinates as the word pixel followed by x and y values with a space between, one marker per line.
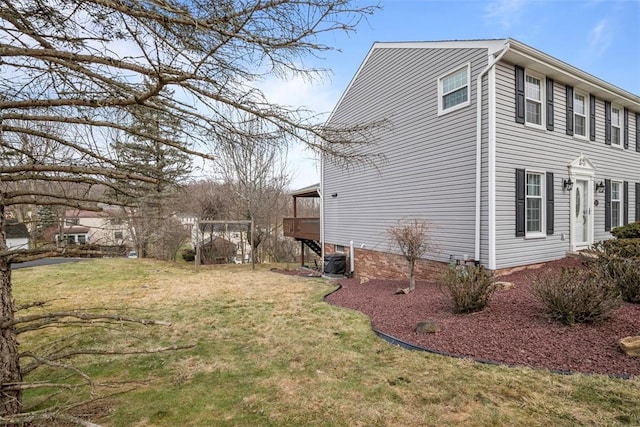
pixel 582 215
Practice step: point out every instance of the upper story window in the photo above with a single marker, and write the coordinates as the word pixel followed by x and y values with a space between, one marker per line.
pixel 534 205
pixel 616 126
pixel 453 90
pixel 534 94
pixel 616 201
pixel 580 114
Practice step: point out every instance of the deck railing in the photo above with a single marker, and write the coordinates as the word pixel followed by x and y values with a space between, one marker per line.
pixel 302 228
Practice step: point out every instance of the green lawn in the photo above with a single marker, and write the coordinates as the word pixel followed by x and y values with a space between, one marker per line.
pixel 267 351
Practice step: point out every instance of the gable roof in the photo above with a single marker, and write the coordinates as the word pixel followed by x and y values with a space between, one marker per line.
pixel 519 53
pixel 104 213
pixel 16 230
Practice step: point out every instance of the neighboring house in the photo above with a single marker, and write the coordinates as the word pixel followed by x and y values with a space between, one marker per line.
pixel 514 156
pixel 234 232
pixel 17 235
pixel 217 250
pixel 106 228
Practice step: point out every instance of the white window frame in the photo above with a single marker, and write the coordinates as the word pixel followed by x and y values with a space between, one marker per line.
pixel 585 115
pixel 619 126
pixel 543 208
pixel 541 101
pixel 620 202
pixel 442 94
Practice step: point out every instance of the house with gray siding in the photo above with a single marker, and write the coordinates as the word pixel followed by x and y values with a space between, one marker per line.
pixel 513 156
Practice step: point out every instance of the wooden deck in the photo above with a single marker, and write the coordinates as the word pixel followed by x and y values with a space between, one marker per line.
pixel 302 228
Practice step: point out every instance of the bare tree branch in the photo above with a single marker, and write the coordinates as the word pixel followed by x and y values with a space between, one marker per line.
pixel 48 317
pixel 77 75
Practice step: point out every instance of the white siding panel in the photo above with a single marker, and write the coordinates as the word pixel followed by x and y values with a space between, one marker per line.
pixel 520 146
pixel 429 161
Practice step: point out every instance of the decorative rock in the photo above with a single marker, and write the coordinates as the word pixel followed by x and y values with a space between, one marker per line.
pixel 504 285
pixel 631 346
pixel 428 327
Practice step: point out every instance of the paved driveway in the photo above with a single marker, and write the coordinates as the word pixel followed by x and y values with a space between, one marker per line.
pixel 45 261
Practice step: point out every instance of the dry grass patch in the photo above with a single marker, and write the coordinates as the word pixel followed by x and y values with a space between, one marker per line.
pixel 269 352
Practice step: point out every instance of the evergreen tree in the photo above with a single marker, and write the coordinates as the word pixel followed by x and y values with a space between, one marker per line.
pixel 169 167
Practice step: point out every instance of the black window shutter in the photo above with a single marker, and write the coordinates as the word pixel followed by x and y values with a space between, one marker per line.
pixel 592 117
pixel 607 205
pixel 607 122
pixel 637 201
pixel 625 203
pixel 520 202
pixel 550 203
pixel 569 109
pixel 549 104
pixel 626 128
pixel 520 108
pixel 638 140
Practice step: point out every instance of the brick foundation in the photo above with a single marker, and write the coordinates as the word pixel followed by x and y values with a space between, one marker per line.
pixel 382 265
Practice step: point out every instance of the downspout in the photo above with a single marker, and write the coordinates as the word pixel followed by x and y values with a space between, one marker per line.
pixel 479 145
pixel 351 259
pixel 322 211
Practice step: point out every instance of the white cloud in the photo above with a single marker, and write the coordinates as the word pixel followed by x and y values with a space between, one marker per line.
pixel 317 97
pixel 600 38
pixel 505 12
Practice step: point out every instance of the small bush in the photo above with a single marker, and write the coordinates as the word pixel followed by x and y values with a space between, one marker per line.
pixel 626 275
pixel 577 296
pixel 470 288
pixel 619 261
pixel 188 255
pixel 625 248
pixel 628 231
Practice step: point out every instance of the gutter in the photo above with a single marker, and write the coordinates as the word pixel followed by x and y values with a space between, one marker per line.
pixel 489 66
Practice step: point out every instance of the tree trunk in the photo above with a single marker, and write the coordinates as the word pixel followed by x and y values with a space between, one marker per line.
pixel 10 400
pixel 412 278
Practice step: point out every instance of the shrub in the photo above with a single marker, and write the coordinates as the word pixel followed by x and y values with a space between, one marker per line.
pixel 188 255
pixel 625 272
pixel 619 261
pixel 628 231
pixel 470 288
pixel 577 296
pixel 625 248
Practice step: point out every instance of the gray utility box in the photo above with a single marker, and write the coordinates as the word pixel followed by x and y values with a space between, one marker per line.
pixel 335 263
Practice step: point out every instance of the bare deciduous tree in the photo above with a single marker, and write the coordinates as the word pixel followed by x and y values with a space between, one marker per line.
pixel 413 239
pixel 91 64
pixel 255 170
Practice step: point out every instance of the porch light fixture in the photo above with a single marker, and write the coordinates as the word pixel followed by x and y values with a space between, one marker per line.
pixel 600 187
pixel 567 184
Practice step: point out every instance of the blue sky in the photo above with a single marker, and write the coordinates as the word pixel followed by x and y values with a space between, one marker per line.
pixel 601 37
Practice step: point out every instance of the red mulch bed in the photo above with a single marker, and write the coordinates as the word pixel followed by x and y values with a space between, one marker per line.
pixel 513 330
